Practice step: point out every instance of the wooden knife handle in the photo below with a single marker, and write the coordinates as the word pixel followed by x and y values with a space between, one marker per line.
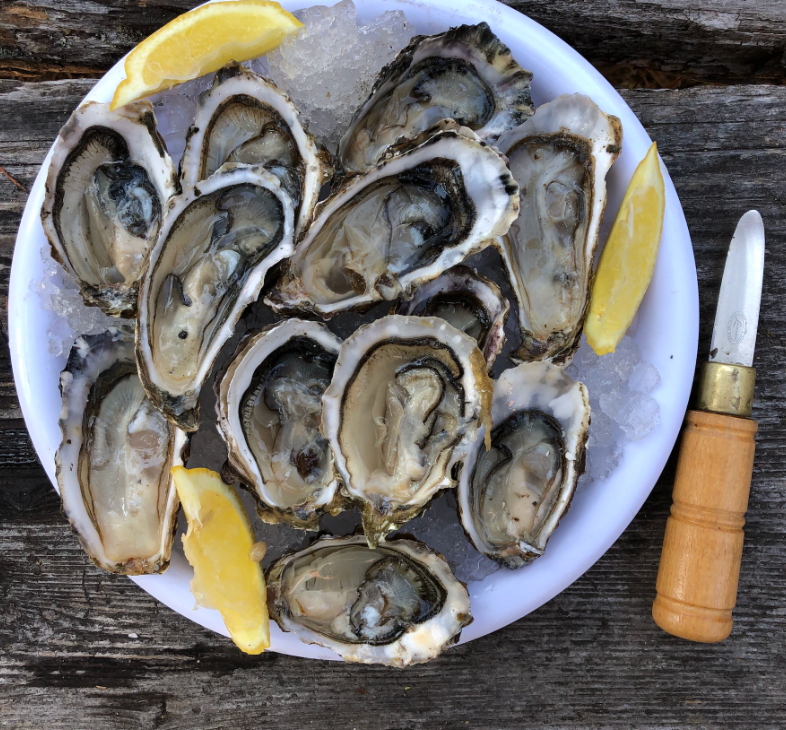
pixel 702 549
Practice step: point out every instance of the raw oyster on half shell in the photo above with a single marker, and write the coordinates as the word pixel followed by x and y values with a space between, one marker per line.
pixel 107 190
pixel 247 119
pixel 513 495
pixel 469 302
pixel 269 402
pixel 114 460
pixel 407 398
pixel 382 234
pixel 560 158
pixel 210 261
pixel 466 74
pixel 396 604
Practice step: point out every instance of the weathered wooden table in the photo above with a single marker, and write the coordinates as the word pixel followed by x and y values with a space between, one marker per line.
pixel 79 648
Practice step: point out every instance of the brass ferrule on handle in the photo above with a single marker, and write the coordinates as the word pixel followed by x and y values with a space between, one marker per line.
pixel 725 388
pixel 702 549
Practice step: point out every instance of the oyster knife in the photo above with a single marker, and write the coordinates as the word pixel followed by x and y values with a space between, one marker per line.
pixel 702 548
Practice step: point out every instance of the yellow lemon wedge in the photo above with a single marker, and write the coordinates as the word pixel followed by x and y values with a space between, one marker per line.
pixel 628 260
pixel 220 546
pixel 201 41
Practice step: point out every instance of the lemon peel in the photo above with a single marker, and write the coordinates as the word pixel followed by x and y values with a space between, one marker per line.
pixel 201 41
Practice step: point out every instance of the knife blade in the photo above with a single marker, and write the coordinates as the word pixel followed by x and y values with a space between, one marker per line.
pixel 737 315
pixel 702 548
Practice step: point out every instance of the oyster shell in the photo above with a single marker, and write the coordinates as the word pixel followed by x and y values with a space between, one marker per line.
pixel 114 460
pixel 269 403
pixel 107 188
pixel 560 157
pixel 469 302
pixel 407 397
pixel 209 262
pixel 466 74
pixel 247 119
pixel 384 233
pixel 396 604
pixel 512 496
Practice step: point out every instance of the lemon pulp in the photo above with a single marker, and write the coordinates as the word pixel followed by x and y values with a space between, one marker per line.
pixel 628 260
pixel 219 545
pixel 201 41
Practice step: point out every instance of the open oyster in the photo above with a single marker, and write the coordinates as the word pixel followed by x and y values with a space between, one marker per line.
pixel 382 234
pixel 466 74
pixel 513 495
pixel 114 460
pixel 406 400
pixel 210 261
pixel 248 119
pixel 469 302
pixel 270 414
pixel 560 157
pixel 396 604
pixel 107 189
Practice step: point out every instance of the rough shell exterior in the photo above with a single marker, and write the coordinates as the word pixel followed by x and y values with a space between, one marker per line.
pixel 135 123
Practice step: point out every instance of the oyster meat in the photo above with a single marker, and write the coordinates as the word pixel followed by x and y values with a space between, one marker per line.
pixel 469 302
pixel 513 495
pixel 406 400
pixel 114 460
pixel 107 189
pixel 560 158
pixel 396 604
pixel 384 233
pixel 466 74
pixel 210 261
pixel 269 402
pixel 247 119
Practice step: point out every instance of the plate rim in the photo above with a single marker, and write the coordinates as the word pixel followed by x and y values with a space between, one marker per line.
pixel 682 281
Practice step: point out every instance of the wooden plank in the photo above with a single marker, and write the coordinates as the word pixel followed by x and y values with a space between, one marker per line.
pixel 79 648
pixel 671 43
pixel 659 43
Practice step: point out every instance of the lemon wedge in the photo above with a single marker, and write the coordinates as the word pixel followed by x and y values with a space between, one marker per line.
pixel 220 546
pixel 201 41
pixel 628 260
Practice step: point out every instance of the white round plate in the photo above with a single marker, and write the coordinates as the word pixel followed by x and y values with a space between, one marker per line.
pixel 666 332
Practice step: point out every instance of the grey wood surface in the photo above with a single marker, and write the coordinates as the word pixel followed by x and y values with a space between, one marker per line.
pixel 669 43
pixel 82 649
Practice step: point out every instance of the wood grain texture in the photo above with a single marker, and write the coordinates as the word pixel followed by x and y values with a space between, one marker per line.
pixel 671 43
pixel 702 547
pixel 82 649
pixel 653 44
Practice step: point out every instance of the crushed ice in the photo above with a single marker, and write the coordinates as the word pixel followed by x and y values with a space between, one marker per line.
pixel 328 69
pixel 619 385
pixel 59 294
pixel 175 110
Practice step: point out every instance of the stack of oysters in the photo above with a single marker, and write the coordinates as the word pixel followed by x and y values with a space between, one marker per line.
pixel 445 158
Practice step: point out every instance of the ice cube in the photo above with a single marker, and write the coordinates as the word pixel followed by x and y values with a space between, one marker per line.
pixel 174 114
pixel 638 415
pixel 618 384
pixel 644 378
pixel 329 66
pixel 59 294
pixel 603 460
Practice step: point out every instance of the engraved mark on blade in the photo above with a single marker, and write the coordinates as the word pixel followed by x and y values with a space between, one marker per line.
pixel 736 327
